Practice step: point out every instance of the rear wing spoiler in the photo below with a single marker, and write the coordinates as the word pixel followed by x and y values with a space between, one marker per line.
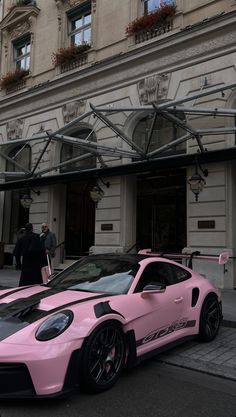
pixel 222 258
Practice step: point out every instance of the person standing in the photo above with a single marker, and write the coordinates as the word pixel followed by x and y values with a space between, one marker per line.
pixel 49 242
pixel 29 248
pixel 20 234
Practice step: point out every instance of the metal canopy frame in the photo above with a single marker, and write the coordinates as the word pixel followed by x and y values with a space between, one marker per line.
pixel 167 110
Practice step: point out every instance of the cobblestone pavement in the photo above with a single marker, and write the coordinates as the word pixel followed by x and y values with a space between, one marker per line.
pixel 216 358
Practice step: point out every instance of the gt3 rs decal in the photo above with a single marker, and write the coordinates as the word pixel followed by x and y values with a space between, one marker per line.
pixel 163 331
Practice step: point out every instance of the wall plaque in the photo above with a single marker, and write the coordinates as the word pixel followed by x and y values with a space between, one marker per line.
pixel 206 224
pixel 107 226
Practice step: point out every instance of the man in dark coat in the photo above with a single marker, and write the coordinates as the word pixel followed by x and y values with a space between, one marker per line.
pixel 20 234
pixel 30 249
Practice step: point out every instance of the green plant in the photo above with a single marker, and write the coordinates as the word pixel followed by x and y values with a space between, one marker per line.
pixel 152 20
pixel 12 78
pixel 71 53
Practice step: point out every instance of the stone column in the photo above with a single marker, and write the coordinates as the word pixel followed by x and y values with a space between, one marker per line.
pixel 115 226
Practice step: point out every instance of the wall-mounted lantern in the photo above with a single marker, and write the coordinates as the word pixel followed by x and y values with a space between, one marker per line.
pixel 196 181
pixel 97 192
pixel 26 200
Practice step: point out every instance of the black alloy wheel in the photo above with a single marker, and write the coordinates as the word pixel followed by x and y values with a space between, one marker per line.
pixel 210 319
pixel 103 358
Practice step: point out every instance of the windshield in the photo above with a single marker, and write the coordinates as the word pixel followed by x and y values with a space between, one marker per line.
pixel 108 274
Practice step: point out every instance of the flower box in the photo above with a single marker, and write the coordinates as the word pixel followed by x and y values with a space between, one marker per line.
pixel 153 20
pixel 67 55
pixel 13 78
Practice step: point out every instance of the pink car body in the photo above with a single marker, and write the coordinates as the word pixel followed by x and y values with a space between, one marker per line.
pixel 148 320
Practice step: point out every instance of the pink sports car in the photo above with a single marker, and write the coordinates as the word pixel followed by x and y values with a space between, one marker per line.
pixel 102 314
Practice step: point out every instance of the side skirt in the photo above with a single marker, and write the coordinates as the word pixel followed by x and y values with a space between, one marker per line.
pixel 134 360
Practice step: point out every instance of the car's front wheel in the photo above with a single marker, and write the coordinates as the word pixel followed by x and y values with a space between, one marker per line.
pixel 103 357
pixel 210 318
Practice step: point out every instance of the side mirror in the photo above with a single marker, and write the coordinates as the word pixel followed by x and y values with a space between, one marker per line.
pixel 156 288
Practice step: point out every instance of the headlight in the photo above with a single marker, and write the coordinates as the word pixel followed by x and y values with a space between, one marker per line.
pixel 54 326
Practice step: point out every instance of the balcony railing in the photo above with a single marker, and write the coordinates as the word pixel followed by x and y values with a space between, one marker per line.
pixel 16 87
pixel 145 35
pixel 78 62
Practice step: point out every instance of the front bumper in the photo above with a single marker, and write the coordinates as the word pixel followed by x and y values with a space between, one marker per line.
pixel 44 377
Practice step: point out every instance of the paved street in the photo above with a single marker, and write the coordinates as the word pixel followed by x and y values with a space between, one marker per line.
pixel 150 390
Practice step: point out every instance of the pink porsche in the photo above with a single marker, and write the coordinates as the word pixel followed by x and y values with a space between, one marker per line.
pixel 103 313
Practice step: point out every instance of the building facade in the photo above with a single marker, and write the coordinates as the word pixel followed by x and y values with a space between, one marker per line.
pixel 114 101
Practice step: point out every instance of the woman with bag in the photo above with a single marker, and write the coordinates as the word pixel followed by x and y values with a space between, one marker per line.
pixel 48 240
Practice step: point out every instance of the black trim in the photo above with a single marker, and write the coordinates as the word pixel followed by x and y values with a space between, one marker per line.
pixel 165 348
pixel 72 378
pixel 162 163
pixel 103 308
pixel 132 351
pixel 6 294
pixel 15 381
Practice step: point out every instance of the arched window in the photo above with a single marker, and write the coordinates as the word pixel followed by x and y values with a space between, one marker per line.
pixel 15 216
pixel 150 134
pixel 69 152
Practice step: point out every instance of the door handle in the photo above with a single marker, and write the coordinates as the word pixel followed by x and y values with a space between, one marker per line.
pixel 178 300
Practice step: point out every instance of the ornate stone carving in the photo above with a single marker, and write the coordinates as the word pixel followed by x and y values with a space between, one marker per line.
pixel 19 30
pixel 72 110
pixel 152 89
pixel 67 3
pixel 15 129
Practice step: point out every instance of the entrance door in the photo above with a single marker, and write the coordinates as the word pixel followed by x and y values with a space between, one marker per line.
pixel 161 211
pixel 80 219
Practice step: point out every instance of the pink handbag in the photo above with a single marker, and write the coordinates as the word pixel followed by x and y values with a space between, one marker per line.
pixel 46 271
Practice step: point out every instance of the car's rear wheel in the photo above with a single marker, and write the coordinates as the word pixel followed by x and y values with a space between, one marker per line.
pixel 210 318
pixel 103 357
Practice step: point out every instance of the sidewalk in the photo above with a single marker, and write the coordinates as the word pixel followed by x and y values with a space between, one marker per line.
pixel 216 358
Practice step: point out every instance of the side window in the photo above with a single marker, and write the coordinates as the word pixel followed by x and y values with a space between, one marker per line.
pixel 22 54
pixel 162 272
pixel 179 274
pixel 80 25
pixel 155 272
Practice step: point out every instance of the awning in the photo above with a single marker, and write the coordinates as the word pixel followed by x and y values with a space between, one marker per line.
pixel 158 164
pixel 113 150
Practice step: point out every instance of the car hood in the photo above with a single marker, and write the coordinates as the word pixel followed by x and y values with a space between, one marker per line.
pixel 20 308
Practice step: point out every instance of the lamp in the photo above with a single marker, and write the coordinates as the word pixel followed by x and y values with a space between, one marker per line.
pixel 196 181
pixel 97 192
pixel 26 200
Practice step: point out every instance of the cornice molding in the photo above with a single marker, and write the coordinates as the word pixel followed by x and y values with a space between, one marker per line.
pixel 18 15
pixel 68 4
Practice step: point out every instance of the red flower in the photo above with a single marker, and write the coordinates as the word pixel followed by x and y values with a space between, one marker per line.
pixel 65 55
pixel 13 77
pixel 152 20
